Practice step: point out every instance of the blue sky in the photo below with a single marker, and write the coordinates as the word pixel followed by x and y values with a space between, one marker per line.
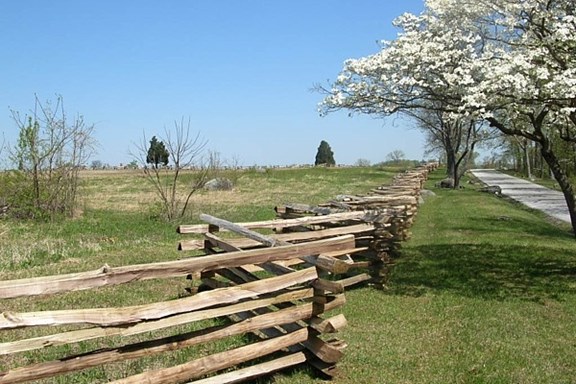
pixel 240 70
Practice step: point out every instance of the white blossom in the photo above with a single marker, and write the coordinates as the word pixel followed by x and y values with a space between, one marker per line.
pixel 478 55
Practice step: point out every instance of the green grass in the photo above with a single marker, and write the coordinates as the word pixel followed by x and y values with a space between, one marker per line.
pixel 484 292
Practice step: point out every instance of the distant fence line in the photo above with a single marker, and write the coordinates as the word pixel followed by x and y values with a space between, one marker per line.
pixel 276 287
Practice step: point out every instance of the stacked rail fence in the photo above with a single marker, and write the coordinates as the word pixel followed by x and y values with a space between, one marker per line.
pixel 273 283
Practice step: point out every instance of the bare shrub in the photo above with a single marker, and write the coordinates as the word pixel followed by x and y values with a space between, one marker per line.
pixel 47 158
pixel 185 150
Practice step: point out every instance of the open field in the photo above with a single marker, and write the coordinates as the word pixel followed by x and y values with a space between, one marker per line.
pixel 485 291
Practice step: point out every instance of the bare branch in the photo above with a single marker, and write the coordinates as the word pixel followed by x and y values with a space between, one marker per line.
pixel 184 152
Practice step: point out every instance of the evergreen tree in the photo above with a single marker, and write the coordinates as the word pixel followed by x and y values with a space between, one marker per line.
pixel 324 155
pixel 157 153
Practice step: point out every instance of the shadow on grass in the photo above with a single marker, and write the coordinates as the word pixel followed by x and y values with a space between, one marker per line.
pixel 490 271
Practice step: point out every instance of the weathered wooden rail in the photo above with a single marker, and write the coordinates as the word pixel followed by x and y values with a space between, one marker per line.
pixel 277 284
pixel 293 301
pixel 395 205
pixel 380 221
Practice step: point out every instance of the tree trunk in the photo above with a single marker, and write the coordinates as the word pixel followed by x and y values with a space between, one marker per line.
pixel 527 157
pixel 452 166
pixel 562 179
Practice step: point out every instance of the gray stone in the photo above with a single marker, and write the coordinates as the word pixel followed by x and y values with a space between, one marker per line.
pixel 446 183
pixel 425 193
pixel 219 184
pixel 495 189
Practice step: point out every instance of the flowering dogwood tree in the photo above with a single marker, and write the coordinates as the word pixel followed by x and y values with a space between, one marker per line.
pixel 511 63
pixel 427 68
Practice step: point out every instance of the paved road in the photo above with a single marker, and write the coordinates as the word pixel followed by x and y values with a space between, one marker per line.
pixel 532 195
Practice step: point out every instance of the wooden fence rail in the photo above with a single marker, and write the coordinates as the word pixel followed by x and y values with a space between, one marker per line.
pixel 293 300
pixel 394 205
pixel 380 221
pixel 278 287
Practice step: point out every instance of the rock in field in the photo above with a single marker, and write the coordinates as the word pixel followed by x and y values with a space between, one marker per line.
pixel 219 184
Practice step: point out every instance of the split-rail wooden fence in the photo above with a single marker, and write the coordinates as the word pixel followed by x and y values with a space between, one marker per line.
pixel 277 280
